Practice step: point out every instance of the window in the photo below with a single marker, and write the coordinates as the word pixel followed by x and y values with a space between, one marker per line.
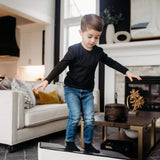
pixel 71 13
pixel 76 8
pixel 73 32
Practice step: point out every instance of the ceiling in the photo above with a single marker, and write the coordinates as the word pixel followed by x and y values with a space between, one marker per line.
pixel 19 19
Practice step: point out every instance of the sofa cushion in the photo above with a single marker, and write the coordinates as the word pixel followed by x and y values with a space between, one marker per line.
pixel 41 114
pixel 60 90
pixel 20 85
pixel 49 88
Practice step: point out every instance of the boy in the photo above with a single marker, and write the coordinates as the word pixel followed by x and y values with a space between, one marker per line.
pixel 82 59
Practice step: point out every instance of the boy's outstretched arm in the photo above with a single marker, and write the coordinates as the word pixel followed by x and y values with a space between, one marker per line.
pixel 131 76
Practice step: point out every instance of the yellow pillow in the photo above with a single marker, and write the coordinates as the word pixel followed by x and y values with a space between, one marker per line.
pixel 37 97
pixel 48 98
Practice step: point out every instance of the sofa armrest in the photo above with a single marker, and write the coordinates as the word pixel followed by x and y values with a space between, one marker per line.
pixel 21 110
pixel 96 98
pixel 8 115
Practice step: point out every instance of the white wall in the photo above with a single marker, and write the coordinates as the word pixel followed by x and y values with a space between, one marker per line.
pixel 41 11
pixel 35 9
pixel 8 67
pixel 31 44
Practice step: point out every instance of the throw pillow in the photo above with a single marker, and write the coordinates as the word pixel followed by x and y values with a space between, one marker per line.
pixel 48 98
pixel 5 84
pixel 20 85
pixel 36 97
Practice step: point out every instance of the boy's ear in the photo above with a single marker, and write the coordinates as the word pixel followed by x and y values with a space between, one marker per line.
pixel 80 32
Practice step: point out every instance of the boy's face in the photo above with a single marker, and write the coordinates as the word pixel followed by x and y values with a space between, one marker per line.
pixel 90 38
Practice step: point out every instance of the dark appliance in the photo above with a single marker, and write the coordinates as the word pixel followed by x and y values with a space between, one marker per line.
pixel 8 44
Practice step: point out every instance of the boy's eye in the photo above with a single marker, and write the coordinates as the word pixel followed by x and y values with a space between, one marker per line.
pixel 94 37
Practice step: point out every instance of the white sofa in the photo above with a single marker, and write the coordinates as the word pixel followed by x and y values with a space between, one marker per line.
pixel 19 124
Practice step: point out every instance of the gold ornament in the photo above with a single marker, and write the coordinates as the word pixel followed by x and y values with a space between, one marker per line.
pixel 135 100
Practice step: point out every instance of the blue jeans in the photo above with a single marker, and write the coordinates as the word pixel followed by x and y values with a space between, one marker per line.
pixel 79 100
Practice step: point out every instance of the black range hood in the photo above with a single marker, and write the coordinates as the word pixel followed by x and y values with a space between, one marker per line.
pixel 8 44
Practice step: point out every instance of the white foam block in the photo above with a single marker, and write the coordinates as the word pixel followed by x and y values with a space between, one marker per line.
pixel 49 152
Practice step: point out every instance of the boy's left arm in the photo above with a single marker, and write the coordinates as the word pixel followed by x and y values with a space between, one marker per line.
pixel 131 76
pixel 117 66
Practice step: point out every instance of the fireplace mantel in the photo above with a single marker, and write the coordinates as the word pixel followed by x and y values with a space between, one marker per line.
pixel 139 53
pixel 135 53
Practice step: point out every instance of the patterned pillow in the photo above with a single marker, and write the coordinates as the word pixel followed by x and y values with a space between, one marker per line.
pixel 20 85
pixel 5 84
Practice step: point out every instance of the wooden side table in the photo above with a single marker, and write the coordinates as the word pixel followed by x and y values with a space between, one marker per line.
pixel 136 122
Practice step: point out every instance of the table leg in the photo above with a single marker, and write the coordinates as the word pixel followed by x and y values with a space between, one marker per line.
pixel 140 140
pixel 105 133
pixel 82 133
pixel 153 137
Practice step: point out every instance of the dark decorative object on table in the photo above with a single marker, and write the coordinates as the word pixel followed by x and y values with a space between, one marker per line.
pixel 116 112
pixel 134 100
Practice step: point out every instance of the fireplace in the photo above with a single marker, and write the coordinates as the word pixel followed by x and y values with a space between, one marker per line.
pixel 149 88
pixel 141 57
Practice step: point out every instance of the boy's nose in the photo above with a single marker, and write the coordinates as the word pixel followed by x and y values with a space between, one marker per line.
pixel 92 40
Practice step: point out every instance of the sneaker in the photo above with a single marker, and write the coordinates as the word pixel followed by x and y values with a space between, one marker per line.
pixel 70 146
pixel 90 148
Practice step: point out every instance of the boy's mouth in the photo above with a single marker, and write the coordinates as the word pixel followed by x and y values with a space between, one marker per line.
pixel 91 44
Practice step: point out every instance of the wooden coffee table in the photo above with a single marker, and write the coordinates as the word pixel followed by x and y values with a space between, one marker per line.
pixel 137 122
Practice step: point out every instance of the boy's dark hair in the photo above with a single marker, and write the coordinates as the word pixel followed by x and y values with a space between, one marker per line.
pixel 91 21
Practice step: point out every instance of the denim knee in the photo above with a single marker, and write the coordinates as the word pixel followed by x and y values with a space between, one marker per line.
pixel 89 122
pixel 74 120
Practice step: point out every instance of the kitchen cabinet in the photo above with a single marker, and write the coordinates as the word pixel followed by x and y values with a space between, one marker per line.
pixel 31 44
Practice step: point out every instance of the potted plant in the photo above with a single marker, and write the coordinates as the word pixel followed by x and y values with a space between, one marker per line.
pixel 110 18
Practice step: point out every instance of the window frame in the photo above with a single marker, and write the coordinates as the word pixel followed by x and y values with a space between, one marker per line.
pixel 66 23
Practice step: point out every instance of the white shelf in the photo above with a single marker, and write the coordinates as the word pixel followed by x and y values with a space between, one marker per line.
pixel 131 44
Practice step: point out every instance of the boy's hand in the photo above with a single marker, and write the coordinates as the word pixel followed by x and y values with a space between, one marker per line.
pixel 130 76
pixel 43 85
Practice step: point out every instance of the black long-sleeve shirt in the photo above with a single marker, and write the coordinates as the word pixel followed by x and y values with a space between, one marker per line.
pixel 82 65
